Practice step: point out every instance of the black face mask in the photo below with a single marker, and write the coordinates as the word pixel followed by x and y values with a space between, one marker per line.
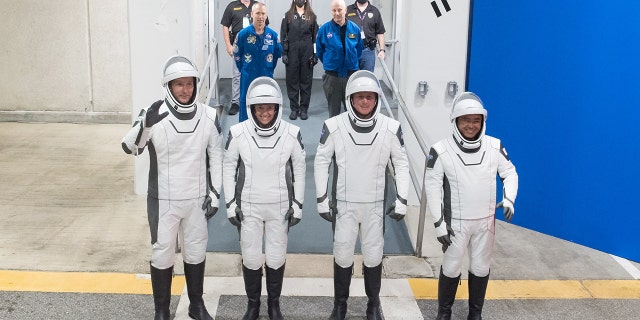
pixel 362 1
pixel 300 4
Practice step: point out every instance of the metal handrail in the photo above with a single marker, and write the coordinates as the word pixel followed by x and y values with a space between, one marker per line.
pixel 423 146
pixel 215 74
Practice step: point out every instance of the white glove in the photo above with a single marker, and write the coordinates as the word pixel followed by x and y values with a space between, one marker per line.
pixel 442 230
pixel 507 208
pixel 397 211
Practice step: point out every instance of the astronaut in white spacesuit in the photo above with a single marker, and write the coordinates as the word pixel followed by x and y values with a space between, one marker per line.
pixel 264 176
pixel 360 143
pixel 460 184
pixel 185 177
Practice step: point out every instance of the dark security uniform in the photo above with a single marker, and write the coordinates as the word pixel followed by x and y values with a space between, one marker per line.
pixel 370 22
pixel 298 34
pixel 234 15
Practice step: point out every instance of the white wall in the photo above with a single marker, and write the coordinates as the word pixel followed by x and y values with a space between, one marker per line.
pixel 158 30
pixel 64 60
pixel 430 49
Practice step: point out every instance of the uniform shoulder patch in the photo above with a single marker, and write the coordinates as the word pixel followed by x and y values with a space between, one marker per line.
pixel 431 158
pixel 399 135
pixel 497 144
pixel 324 135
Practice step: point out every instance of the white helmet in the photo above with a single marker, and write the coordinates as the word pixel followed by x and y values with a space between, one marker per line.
pixel 179 67
pixel 264 90
pixel 360 81
pixel 467 103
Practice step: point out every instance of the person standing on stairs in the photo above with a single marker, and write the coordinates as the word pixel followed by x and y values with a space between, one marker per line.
pixel 368 18
pixel 236 16
pixel 255 52
pixel 298 34
pixel 338 46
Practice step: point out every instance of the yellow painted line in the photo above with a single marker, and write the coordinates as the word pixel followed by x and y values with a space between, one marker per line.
pixel 613 289
pixel 82 282
pixel 537 289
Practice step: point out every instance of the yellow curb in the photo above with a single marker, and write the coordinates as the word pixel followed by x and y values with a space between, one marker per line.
pixel 83 282
pixel 613 289
pixel 537 289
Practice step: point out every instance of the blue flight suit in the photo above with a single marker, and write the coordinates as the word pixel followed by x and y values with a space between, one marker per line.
pixel 255 55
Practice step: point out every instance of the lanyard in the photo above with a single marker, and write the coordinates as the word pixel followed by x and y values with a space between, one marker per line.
pixel 361 15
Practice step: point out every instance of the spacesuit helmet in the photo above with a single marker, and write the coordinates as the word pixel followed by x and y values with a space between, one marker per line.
pixel 179 67
pixel 362 81
pixel 464 104
pixel 264 90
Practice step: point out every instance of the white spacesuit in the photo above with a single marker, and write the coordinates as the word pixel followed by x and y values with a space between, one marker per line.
pixel 360 148
pixel 460 184
pixel 185 176
pixel 264 177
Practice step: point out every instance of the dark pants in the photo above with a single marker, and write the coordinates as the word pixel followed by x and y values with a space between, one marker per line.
pixel 334 89
pixel 299 75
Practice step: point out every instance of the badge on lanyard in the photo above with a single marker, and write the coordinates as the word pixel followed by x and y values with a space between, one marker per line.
pixel 245 22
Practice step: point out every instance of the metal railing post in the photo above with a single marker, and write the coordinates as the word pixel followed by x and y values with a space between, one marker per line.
pixel 418 185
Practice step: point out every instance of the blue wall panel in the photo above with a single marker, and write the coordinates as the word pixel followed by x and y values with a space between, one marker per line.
pixel 560 82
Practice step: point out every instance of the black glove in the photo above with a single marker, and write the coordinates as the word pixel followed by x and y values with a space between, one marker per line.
pixel 152 117
pixel 446 239
pixel 210 210
pixel 313 60
pixel 289 217
pixel 391 212
pixel 327 216
pixel 237 219
pixel 285 59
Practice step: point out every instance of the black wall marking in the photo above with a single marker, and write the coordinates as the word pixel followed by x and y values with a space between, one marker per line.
pixel 436 9
pixel 446 5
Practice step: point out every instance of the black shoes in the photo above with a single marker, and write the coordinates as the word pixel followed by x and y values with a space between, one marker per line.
pixel 234 108
pixel 303 115
pixel 294 115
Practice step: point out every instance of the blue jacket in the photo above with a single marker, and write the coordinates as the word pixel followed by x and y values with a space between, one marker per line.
pixel 330 51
